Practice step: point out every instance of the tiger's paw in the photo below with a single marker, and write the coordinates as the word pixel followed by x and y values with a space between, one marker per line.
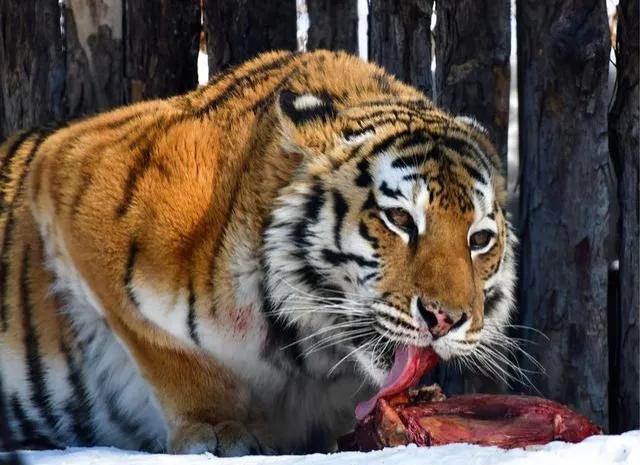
pixel 226 439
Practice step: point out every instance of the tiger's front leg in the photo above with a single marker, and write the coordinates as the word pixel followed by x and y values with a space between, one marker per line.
pixel 116 271
pixel 207 409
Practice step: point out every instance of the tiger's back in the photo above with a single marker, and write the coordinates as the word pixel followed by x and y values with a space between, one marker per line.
pixel 132 279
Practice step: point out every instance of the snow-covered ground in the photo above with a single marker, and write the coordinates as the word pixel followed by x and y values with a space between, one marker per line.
pixel 599 450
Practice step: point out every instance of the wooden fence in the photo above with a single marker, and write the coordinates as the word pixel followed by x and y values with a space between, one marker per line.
pixel 578 186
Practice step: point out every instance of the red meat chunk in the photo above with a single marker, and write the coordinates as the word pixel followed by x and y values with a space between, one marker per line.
pixel 426 418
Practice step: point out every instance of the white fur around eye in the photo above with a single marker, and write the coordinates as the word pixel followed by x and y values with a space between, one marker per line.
pixel 475 253
pixel 403 235
pixel 485 223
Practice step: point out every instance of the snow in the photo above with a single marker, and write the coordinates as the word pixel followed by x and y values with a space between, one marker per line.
pixel 598 450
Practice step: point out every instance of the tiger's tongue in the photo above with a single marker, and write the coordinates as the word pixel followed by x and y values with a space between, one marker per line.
pixel 410 365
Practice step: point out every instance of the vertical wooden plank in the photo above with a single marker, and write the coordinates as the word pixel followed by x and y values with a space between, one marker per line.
pixel 94 55
pixel 624 143
pixel 400 39
pixel 161 48
pixel 31 64
pixel 566 196
pixel 473 44
pixel 333 25
pixel 240 29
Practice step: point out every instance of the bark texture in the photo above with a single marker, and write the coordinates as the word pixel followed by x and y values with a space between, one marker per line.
pixel 240 29
pixel 31 64
pixel 94 56
pixel 566 196
pixel 333 25
pixel 161 49
pixel 624 143
pixel 473 43
pixel 400 39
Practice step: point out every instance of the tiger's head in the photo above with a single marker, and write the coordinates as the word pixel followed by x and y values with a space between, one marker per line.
pixel 392 232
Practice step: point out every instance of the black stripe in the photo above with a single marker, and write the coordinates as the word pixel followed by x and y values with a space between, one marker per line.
pixel 364 232
pixel 474 173
pixel 307 274
pixel 397 321
pixel 416 139
pixel 261 104
pixel 243 82
pixel 396 102
pixel 6 435
pixel 370 202
pixel 313 206
pixel 27 427
pixel 416 160
pixel 493 297
pixel 129 270
pixel 393 114
pixel 340 209
pixel 31 438
pixel 280 333
pixel 390 332
pixel 9 228
pixel 7 160
pixel 36 372
pixel 370 276
pixel 463 147
pixel 109 126
pixel 79 405
pixel 387 142
pixel 364 178
pixel 371 125
pixel 191 316
pixel 414 177
pixel 340 258
pixel 350 133
pixel 391 193
pixel 85 183
pixel 122 419
pixel 136 172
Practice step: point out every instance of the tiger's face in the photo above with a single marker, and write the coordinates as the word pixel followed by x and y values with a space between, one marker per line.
pixel 392 232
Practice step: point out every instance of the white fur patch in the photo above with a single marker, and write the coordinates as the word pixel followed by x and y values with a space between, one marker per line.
pixel 168 311
pixel 306 102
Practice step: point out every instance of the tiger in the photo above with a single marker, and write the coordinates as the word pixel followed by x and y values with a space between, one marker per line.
pixel 235 270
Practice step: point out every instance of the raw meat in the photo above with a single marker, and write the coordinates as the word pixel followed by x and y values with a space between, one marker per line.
pixel 425 417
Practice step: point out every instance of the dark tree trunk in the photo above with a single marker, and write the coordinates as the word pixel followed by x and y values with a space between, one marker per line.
pixel 161 50
pixel 94 55
pixel 566 197
pixel 473 43
pixel 31 64
pixel 333 25
pixel 624 143
pixel 400 39
pixel 240 29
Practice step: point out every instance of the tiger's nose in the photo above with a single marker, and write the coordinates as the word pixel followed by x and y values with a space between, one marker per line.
pixel 438 320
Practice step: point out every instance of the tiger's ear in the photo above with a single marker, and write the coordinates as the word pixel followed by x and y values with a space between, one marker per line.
pixel 303 108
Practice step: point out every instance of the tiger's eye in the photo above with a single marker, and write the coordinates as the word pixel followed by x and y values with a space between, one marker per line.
pixel 480 239
pixel 400 218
